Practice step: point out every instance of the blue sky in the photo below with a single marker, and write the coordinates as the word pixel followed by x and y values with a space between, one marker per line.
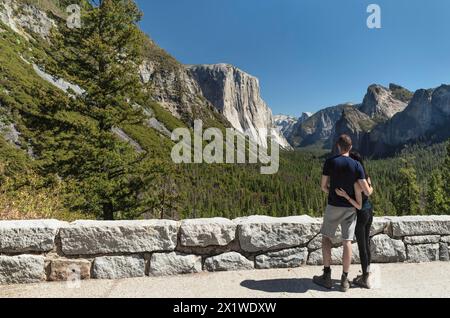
pixel 309 54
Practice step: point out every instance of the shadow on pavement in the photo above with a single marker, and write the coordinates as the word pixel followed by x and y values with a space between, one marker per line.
pixel 301 285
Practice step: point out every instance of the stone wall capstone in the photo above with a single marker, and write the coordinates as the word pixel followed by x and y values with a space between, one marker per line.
pixel 50 250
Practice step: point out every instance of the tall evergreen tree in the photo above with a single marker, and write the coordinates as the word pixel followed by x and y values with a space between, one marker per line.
pixel 106 176
pixel 436 200
pixel 407 193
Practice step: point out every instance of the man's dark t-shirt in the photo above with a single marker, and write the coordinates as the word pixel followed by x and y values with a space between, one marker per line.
pixel 344 172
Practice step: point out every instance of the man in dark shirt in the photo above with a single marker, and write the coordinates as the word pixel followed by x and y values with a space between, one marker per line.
pixel 340 172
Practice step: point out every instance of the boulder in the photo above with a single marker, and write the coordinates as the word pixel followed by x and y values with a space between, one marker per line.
pixel 228 262
pixel 387 250
pixel 22 269
pixel 290 258
pixel 315 258
pixel 207 232
pixel 423 239
pixel 28 236
pixel 423 253
pixel 420 225
pixel 262 233
pixel 117 267
pixel 162 264
pixel 69 269
pixel 109 237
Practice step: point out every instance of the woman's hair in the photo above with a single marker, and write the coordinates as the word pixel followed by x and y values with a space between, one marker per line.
pixel 357 156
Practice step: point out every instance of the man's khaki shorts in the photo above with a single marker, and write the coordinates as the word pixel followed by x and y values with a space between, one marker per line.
pixel 335 216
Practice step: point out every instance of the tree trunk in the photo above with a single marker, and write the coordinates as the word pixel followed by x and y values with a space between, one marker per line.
pixel 108 213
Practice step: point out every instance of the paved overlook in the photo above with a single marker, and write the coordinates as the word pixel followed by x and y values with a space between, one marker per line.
pixel 395 280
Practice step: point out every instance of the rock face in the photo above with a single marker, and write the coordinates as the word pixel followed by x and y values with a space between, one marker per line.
pixel 228 262
pixel 236 95
pixel 422 253
pixel 28 236
pixel 381 103
pixel 97 237
pixel 287 123
pixel 207 232
pixel 22 269
pixel 117 267
pixel 319 128
pixel 26 21
pixel 174 264
pixel 69 269
pixel 354 123
pixel 387 250
pixel 283 259
pixel 421 225
pixel 259 233
pixel 174 88
pixel 427 115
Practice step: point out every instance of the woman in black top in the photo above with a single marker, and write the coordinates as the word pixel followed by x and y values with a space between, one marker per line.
pixel 363 226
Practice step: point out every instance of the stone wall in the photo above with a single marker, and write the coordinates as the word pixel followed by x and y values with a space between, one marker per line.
pixel 34 251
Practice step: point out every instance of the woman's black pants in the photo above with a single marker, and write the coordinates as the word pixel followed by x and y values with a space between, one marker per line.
pixel 363 226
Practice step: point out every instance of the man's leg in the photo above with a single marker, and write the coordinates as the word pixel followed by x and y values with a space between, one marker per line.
pixel 327 244
pixel 329 227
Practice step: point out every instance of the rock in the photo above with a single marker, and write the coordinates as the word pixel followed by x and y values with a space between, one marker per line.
pixel 22 269
pixel 290 258
pixel 69 269
pixel 207 232
pixel 236 95
pixel 380 225
pixel 228 262
pixel 316 257
pixel 444 252
pixel 424 239
pixel 174 263
pixel 107 237
pixel 426 114
pixel 117 267
pixel 380 103
pixel 387 250
pixel 28 236
pixel 445 239
pixel 262 233
pixel 423 253
pixel 58 82
pixel 421 225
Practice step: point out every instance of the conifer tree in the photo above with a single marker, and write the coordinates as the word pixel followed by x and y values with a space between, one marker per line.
pixel 436 200
pixel 406 196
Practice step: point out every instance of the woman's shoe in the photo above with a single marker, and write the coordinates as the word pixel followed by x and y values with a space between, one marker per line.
pixel 363 281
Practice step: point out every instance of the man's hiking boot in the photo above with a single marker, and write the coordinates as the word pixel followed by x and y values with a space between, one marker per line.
pixel 324 280
pixel 345 284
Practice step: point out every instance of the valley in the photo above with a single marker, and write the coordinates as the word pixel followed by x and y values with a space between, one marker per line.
pixel 65 155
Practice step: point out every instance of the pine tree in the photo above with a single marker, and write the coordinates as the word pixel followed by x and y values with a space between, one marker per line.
pixel 407 193
pixel 446 179
pixel 436 200
pixel 106 176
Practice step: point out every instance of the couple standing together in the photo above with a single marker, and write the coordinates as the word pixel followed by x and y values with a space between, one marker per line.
pixel 348 186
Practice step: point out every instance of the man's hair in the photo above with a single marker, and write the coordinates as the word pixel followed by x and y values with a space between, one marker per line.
pixel 345 143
